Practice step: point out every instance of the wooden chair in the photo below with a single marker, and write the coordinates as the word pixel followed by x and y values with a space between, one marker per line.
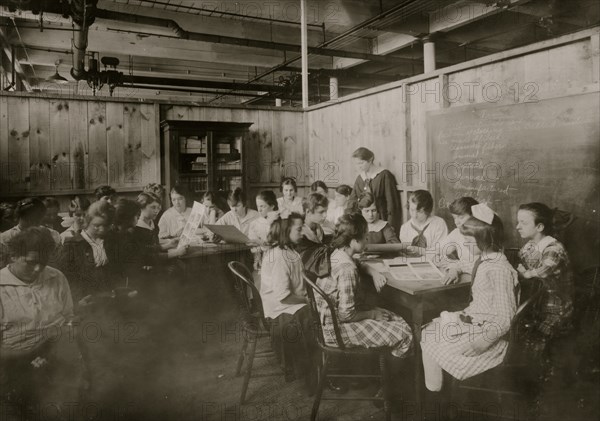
pixel 253 323
pixel 340 350
pixel 517 375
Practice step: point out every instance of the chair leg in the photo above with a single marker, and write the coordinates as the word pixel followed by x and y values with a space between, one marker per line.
pixel 240 361
pixel 385 386
pixel 322 379
pixel 248 370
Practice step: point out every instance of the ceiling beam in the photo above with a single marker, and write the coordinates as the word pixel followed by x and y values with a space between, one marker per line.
pixel 6 51
pixel 463 13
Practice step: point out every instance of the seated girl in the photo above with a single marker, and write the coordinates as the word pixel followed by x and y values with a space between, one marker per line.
pixel 173 220
pixel 424 230
pixel 289 202
pixel 545 258
pixel 319 187
pixel 212 213
pixel 77 209
pixel 239 216
pixel 379 231
pixel 338 207
pixel 364 327
pixel 266 203
pixel 283 293
pixel 85 258
pixel 471 341
pixel 457 252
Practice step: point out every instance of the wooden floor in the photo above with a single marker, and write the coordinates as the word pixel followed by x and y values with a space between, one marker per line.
pixel 173 358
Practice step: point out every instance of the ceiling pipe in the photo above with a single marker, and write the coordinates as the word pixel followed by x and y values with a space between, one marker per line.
pixel 191 83
pixel 83 13
pixel 221 39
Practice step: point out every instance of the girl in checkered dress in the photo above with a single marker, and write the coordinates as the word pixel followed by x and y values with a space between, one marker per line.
pixel 369 328
pixel 472 341
pixel 545 258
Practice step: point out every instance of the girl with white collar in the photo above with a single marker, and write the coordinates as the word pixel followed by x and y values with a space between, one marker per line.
pixel 424 231
pixel 472 341
pixel 545 258
pixel 380 232
pixel 380 183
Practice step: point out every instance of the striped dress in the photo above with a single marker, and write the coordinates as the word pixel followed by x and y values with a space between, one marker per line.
pixel 342 287
pixel 495 293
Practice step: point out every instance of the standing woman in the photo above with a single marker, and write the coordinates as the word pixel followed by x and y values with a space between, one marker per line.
pixel 545 258
pixel 380 183
pixel 289 202
pixel 173 220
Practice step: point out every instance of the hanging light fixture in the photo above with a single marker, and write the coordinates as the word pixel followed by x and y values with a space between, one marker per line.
pixel 56 78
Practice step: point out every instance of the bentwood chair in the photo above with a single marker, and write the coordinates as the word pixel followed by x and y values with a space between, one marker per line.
pixel 341 350
pixel 519 375
pixel 254 325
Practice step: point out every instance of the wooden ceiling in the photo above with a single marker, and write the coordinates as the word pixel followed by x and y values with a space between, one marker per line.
pixel 245 51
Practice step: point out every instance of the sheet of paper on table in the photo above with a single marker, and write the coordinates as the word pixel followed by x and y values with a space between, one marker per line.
pixel 412 269
pixel 189 230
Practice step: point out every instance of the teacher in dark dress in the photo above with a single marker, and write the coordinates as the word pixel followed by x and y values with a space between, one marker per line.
pixel 380 183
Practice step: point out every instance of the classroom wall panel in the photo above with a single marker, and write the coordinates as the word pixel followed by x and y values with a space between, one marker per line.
pixel 63 146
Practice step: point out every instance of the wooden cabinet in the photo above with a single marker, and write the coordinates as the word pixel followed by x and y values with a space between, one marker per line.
pixel 204 156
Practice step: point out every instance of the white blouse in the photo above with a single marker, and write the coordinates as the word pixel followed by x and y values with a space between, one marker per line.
pixel 281 276
pixel 243 224
pixel 434 234
pixel 100 257
pixel 171 223
pixel 295 206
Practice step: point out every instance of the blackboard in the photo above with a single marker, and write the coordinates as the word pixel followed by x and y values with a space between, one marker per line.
pixel 545 151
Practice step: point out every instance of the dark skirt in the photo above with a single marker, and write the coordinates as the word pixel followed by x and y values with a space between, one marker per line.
pixel 293 340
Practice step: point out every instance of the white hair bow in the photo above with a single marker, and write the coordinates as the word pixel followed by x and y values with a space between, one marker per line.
pixel 483 213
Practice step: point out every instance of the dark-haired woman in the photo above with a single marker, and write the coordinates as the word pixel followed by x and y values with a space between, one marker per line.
pixel 545 258
pixel 423 231
pixel 239 216
pixel 380 232
pixel 471 341
pixel 266 203
pixel 173 220
pixel 381 183
pixel 457 252
pixel 284 295
pixel 372 327
pixel 289 202
pixel 35 306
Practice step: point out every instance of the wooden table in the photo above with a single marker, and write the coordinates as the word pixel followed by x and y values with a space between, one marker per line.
pixel 418 296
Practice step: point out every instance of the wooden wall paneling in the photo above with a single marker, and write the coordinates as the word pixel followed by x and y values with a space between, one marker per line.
pixel 115 143
pixel 78 122
pixel 4 184
pixel 39 144
pixel 197 114
pixel 594 53
pixel 277 146
pixel 295 146
pixel 570 67
pixel 265 146
pixel 132 152
pixel 97 135
pixel 253 165
pixel 150 147
pixel 18 144
pixel 60 145
pixel 537 75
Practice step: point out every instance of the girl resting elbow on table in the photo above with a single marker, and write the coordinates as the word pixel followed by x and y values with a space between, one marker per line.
pixel 423 231
pixel 173 220
pixel 471 341
pixel 266 203
pixel 284 295
pixel 380 232
pixel 364 327
pixel 239 216
pixel 458 252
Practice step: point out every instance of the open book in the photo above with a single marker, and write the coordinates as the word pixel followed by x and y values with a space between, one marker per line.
pixel 415 270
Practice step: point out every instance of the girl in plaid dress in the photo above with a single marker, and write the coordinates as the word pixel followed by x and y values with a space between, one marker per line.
pixel 367 328
pixel 472 341
pixel 545 258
